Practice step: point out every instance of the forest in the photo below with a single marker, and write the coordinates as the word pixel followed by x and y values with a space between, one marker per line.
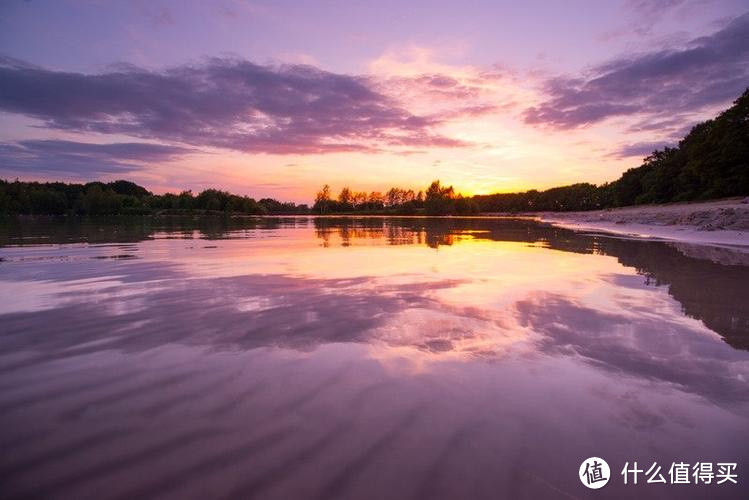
pixel 127 198
pixel 436 200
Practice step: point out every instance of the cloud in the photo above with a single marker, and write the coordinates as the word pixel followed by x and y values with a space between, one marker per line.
pixel 435 85
pixel 221 102
pixel 657 348
pixel 652 7
pixel 445 93
pixel 157 15
pixel 639 149
pixel 82 159
pixel 673 124
pixel 708 71
pixel 454 98
pixel 640 17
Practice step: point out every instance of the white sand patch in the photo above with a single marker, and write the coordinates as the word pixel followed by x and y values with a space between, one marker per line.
pixel 723 222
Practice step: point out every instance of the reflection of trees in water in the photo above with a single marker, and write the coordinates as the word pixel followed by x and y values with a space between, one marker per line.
pixel 346 229
pixel 708 291
pixel 39 230
pixel 711 292
pixel 392 230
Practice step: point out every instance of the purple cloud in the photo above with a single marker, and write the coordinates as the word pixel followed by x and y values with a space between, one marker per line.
pixel 652 7
pixel 434 85
pixel 82 159
pixel 638 149
pixel 710 70
pixel 641 16
pixel 225 103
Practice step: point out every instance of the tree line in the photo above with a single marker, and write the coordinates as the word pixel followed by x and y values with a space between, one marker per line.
pixel 436 200
pixel 127 198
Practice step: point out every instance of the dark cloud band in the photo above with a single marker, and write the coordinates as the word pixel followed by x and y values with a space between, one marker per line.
pixel 710 70
pixel 82 159
pixel 225 103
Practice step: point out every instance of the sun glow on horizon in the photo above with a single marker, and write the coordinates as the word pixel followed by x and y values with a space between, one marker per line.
pixel 483 110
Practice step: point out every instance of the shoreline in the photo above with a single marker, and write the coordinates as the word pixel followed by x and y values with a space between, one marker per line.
pixel 717 223
pixel 722 223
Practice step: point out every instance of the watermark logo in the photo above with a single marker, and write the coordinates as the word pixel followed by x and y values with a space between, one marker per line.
pixel 595 473
pixel 683 473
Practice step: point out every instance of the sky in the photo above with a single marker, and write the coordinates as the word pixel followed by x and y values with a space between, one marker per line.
pixel 275 98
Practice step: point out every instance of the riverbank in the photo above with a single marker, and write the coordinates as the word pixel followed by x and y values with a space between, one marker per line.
pixel 723 222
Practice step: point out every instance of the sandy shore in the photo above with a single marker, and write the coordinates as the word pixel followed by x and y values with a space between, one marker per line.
pixel 723 222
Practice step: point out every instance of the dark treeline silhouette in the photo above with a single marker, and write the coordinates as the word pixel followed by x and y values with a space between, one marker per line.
pixel 126 198
pixel 437 200
pixel 712 161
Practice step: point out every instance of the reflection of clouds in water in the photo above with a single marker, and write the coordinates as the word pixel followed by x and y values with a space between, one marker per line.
pixel 642 409
pixel 706 281
pixel 460 373
pixel 285 312
pixel 471 305
pixel 630 327
pixel 662 348
pixel 50 283
pixel 444 332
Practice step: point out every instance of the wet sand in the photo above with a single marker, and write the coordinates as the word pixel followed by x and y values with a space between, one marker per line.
pixel 722 222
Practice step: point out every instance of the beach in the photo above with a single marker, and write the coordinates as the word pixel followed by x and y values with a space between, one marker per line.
pixel 722 223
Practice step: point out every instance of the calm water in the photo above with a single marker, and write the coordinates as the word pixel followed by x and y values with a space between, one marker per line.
pixel 370 358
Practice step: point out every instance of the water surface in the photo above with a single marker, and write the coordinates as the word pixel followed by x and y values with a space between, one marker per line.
pixel 362 358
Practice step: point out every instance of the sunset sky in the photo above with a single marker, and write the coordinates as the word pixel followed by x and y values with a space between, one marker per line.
pixel 275 98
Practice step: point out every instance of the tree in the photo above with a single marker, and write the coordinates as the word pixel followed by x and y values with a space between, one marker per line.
pixel 465 206
pixel 322 200
pixel 439 199
pixel 346 199
pixel 98 201
pixel 393 197
pixel 376 201
pixel 360 199
pixel 118 197
pixel 128 188
pixel 212 199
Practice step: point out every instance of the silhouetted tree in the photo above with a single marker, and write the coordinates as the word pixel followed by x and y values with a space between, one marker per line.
pixel 322 200
pixel 439 200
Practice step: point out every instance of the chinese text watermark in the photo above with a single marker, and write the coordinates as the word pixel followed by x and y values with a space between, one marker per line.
pixel 595 473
